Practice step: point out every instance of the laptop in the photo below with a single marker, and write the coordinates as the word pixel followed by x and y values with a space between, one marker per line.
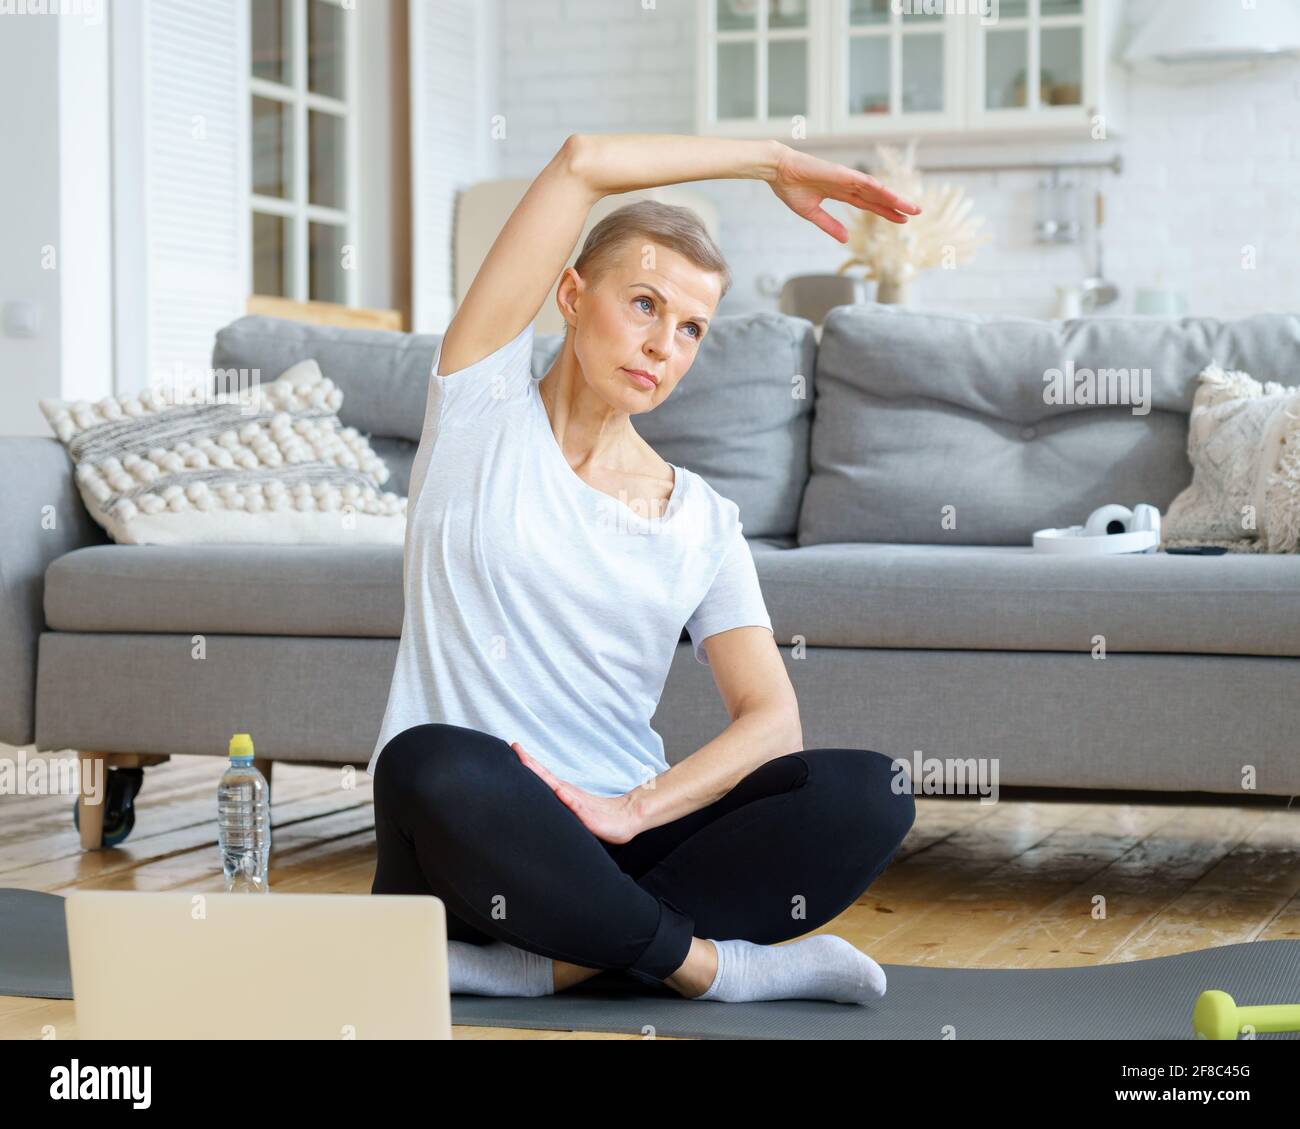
pixel 192 965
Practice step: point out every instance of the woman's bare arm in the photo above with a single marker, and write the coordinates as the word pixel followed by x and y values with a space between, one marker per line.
pixel 621 162
pixel 522 264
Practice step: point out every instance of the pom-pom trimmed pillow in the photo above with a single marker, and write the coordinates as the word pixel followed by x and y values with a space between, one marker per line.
pixel 1243 441
pixel 271 463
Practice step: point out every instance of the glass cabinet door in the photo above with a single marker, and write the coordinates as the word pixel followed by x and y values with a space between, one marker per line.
pixel 895 67
pixel 854 69
pixel 762 62
pixel 1031 65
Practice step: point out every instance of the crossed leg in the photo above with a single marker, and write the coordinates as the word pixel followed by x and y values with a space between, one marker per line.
pixel 789 848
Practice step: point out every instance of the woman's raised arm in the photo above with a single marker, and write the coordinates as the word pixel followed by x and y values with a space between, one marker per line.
pixel 621 162
pixel 522 264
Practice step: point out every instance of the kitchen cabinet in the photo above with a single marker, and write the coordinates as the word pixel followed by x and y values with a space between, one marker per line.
pixel 845 70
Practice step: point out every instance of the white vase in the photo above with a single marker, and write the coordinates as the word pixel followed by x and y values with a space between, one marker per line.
pixel 894 292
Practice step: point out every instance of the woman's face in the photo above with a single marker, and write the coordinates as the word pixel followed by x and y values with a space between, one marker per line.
pixel 650 311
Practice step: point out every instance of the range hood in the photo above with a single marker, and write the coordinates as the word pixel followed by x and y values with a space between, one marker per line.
pixel 1212 31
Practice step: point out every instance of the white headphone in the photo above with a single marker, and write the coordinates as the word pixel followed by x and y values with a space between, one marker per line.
pixel 1109 529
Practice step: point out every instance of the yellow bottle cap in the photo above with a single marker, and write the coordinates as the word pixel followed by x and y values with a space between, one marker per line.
pixel 241 745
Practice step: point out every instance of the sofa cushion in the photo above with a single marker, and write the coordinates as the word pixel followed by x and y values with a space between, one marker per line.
pixel 260 462
pixel 919 411
pixel 1011 598
pixel 251 589
pixel 945 597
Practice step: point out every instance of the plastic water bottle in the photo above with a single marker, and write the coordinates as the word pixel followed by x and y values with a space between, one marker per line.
pixel 244 821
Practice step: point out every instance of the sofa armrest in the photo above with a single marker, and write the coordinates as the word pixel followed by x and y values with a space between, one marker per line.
pixel 42 518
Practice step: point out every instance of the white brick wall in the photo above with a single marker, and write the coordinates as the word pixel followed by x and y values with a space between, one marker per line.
pixel 1210 168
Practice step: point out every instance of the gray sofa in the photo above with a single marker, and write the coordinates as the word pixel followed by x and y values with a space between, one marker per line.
pixel 902 631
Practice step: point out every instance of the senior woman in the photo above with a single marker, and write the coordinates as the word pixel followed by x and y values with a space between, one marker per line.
pixel 551 562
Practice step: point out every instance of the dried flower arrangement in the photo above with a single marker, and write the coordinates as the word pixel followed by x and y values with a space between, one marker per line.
pixel 944 234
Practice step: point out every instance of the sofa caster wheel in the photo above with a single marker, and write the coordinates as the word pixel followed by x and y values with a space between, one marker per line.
pixel 119 805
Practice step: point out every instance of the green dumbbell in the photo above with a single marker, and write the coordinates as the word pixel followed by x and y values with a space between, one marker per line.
pixel 1217 1016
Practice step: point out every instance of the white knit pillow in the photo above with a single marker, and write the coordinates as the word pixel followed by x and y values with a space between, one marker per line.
pixel 269 463
pixel 1243 441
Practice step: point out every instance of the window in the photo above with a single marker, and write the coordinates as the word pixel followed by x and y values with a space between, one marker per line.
pixel 302 130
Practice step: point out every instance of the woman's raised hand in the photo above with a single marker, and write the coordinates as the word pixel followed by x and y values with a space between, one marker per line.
pixel 803 181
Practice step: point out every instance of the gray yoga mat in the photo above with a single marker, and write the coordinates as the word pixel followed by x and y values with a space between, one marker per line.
pixel 34 945
pixel 1145 999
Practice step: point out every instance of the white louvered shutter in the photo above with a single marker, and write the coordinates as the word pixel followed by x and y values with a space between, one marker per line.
pixel 190 177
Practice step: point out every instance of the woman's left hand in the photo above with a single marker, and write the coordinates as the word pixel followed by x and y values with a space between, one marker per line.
pixel 803 181
pixel 610 818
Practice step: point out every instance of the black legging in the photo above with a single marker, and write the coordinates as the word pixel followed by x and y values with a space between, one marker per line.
pixel 791 846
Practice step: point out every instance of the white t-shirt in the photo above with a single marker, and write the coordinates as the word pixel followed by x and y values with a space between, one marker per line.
pixel 538 608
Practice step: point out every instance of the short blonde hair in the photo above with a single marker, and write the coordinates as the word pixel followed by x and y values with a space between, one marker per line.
pixel 669 225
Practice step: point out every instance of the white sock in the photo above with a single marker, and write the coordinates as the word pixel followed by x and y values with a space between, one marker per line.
pixel 498 969
pixel 824 967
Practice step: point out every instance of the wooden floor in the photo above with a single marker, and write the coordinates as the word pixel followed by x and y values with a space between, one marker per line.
pixel 1005 885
